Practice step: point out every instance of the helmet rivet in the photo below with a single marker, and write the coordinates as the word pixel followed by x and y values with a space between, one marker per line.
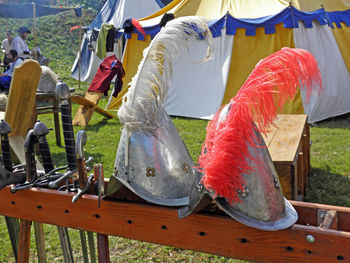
pixel 199 187
pixel 244 191
pixel 150 172
pixel 185 167
pixel 310 239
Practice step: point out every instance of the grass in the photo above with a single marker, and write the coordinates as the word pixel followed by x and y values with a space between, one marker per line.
pixel 329 180
pixel 329 183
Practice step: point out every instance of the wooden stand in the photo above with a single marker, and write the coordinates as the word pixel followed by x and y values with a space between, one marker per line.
pixel 288 143
pixel 87 108
pixel 322 233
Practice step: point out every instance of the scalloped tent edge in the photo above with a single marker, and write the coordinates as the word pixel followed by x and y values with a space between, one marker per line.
pixel 199 90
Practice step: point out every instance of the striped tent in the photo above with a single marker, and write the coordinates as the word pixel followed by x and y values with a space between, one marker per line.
pixel 245 32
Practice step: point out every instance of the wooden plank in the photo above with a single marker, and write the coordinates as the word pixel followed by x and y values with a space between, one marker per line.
pixel 87 107
pixel 104 112
pixel 82 101
pixel 283 148
pixel 301 175
pixel 285 174
pixel 21 101
pixel 24 241
pixel 84 113
pixel 308 214
pixel 306 152
pixel 215 234
pixel 331 220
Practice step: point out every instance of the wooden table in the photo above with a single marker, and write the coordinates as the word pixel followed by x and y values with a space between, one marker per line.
pixel 288 143
pixel 53 107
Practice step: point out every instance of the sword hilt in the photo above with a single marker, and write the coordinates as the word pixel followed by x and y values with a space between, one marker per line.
pixel 79 149
pixel 30 156
pixel 40 131
pixel 5 145
pixel 63 95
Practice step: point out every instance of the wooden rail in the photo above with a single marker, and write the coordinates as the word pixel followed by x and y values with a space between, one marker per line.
pixel 207 232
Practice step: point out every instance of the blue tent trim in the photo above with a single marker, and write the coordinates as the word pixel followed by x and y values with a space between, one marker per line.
pixel 289 16
pixel 339 17
pixel 160 3
pixel 216 26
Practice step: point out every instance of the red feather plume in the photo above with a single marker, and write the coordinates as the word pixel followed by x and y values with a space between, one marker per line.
pixel 274 80
pixel 138 26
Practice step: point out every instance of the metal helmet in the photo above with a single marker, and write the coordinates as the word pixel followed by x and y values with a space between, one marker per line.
pixel 157 167
pixel 151 159
pixel 262 204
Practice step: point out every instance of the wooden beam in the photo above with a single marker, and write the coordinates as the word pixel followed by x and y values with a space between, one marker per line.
pixel 330 220
pixel 205 232
pixel 88 105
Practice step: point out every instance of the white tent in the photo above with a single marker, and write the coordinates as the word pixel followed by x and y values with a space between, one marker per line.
pixel 245 32
pixel 113 12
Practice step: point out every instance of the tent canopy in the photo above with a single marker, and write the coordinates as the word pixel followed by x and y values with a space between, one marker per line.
pixel 26 10
pixel 114 12
pixel 245 32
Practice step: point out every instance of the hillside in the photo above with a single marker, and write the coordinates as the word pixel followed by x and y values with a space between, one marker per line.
pixel 53 38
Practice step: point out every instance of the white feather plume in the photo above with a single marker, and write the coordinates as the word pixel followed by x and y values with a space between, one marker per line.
pixel 149 87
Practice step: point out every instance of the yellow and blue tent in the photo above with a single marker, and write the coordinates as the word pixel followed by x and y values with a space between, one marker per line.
pixel 245 32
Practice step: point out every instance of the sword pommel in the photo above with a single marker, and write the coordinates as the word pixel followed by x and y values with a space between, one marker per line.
pixel 4 127
pixel 62 91
pixel 40 129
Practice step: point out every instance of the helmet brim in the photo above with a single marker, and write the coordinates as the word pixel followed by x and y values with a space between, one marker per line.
pixel 287 219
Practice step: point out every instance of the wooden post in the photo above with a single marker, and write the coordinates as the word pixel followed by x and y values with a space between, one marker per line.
pixel 40 242
pixel 102 240
pixel 34 30
pixel 24 241
pixel 103 248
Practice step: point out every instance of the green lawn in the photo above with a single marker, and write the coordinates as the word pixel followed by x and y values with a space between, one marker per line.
pixel 329 183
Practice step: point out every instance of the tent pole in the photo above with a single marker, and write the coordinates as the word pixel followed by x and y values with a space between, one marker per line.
pixel 79 51
pixel 34 31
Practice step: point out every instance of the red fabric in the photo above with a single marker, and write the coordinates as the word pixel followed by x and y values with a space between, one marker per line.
pixel 138 26
pixel 225 155
pixel 108 68
pixel 73 28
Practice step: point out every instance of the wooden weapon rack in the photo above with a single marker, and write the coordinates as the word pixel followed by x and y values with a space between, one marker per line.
pixel 322 233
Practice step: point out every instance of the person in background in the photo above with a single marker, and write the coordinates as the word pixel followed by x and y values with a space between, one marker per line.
pixel 5 78
pixel 6 47
pixel 43 61
pixel 19 43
